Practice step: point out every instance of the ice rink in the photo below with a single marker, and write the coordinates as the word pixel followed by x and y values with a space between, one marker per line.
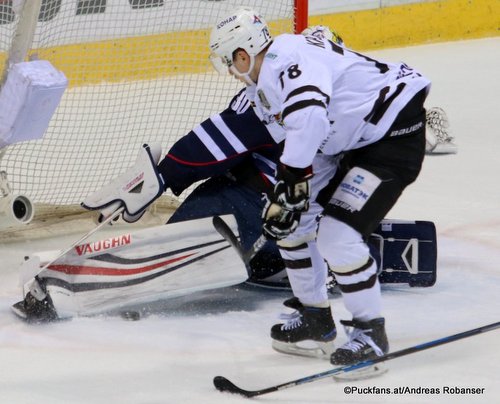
pixel 172 355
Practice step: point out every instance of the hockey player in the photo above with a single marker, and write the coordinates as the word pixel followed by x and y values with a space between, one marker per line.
pixel 237 153
pixel 330 99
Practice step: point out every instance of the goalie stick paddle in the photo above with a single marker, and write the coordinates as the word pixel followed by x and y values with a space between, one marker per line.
pixel 223 384
pixel 225 231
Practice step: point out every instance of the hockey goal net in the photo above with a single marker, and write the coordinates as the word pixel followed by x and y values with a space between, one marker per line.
pixel 138 72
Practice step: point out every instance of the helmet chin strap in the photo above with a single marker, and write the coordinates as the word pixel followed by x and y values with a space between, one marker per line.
pixel 245 76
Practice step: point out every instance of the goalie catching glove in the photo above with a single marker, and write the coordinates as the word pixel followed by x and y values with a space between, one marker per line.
pixel 134 190
pixel 322 31
pixel 290 197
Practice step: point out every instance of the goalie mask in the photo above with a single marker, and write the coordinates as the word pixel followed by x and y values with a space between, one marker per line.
pixel 243 29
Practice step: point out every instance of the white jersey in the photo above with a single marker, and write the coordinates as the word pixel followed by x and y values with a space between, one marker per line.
pixel 329 98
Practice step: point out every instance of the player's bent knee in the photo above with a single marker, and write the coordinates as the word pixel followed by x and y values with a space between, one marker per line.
pixel 341 245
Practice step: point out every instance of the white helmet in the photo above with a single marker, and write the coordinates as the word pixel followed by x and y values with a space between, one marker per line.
pixel 244 29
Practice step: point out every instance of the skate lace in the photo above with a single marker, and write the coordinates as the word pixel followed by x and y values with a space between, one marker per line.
pixel 293 320
pixel 358 339
pixel 438 121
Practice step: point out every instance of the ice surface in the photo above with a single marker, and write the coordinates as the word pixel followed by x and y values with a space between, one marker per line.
pixel 172 354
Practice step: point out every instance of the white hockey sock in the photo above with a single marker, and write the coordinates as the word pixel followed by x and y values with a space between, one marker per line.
pixel 307 273
pixel 361 292
pixel 355 271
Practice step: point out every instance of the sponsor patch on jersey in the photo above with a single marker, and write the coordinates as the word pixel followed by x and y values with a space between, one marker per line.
pixel 263 100
pixel 355 189
pixel 270 55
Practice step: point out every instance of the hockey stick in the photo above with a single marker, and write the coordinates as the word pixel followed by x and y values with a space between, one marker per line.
pixel 225 231
pixel 81 239
pixel 223 384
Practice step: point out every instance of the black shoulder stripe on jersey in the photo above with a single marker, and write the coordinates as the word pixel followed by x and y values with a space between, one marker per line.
pixel 301 105
pixel 305 89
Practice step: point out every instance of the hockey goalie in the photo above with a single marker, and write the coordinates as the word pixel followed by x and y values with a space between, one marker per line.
pixel 187 255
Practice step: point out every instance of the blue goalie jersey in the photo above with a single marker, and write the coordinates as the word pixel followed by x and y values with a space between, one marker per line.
pixel 224 143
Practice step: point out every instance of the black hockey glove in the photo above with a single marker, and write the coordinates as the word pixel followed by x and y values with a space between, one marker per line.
pixel 279 223
pixel 289 198
pixel 292 190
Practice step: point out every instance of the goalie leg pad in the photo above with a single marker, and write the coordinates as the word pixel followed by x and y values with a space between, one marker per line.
pixel 139 267
pixel 408 251
pixel 135 190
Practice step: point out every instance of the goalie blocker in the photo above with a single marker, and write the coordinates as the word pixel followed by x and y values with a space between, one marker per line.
pixel 183 258
pixel 134 190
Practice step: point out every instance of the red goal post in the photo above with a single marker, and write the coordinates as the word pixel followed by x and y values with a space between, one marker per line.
pixel 301 15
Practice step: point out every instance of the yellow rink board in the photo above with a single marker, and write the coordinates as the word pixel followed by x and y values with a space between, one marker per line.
pixel 418 23
pixel 154 56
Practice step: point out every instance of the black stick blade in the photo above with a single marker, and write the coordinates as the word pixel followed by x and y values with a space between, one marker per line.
pixel 225 231
pixel 224 385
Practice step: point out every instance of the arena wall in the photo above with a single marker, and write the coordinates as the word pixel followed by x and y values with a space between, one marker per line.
pixel 364 25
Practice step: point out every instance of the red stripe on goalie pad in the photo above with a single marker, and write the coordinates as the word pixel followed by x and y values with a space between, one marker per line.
pixel 86 270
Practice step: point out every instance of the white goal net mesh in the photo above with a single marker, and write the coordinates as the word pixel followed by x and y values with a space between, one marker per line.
pixel 138 72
